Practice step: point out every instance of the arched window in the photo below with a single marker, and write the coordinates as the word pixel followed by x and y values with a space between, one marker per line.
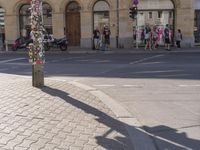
pixel 2 27
pixel 156 14
pixel 47 17
pixel 24 19
pixel 101 14
pixel 73 7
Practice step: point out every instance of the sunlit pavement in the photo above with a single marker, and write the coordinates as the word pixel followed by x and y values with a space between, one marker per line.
pixel 160 90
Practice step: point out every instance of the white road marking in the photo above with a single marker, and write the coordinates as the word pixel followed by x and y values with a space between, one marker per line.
pixel 112 85
pixel 127 85
pixel 104 85
pixel 103 61
pixel 131 63
pixel 144 59
pixel 185 85
pixel 10 60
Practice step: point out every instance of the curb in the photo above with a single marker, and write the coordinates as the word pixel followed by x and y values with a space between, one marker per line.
pixel 113 51
pixel 140 139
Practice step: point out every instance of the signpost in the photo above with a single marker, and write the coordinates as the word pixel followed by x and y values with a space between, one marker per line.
pixel 36 49
pixel 136 2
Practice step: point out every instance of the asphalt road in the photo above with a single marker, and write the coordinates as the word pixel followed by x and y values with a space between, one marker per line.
pixel 161 90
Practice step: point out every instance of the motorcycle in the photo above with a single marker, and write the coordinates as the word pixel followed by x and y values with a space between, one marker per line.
pixel 50 41
pixel 21 43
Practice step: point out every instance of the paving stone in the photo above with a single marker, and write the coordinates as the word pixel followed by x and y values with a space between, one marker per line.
pixel 4 140
pixel 11 144
pixel 88 147
pixel 26 143
pixel 20 148
pixel 34 137
pixel 48 147
pixel 58 116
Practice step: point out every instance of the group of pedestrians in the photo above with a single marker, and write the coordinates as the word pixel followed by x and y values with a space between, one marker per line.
pixel 101 38
pixel 152 37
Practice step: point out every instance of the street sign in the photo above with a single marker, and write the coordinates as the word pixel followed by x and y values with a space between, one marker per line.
pixel 135 2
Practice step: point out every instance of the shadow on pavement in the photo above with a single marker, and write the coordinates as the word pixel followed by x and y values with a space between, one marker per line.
pixel 165 138
pixel 170 139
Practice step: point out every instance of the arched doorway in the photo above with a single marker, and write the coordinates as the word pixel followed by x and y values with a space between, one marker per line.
pixel 24 19
pixel 2 27
pixel 73 29
pixel 155 13
pixel 101 15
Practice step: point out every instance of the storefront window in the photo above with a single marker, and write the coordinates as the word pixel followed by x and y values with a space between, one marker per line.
pixel 156 14
pixel 101 14
pixel 24 19
pixel 2 27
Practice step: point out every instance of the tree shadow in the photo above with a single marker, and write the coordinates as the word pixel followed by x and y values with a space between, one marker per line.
pixel 171 140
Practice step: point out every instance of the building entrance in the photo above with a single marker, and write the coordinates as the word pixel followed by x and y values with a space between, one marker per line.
pixel 73 31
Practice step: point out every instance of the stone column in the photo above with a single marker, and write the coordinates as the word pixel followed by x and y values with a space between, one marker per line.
pixel 113 28
pixel 125 29
pixel 86 29
pixel 11 28
pixel 58 22
pixel 185 21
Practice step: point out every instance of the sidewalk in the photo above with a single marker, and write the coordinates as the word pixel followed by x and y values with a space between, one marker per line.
pixel 78 50
pixel 59 116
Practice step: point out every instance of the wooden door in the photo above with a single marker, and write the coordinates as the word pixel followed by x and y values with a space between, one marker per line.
pixel 73 28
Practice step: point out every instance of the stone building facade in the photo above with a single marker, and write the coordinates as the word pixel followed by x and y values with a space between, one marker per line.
pixel 197 22
pixel 77 19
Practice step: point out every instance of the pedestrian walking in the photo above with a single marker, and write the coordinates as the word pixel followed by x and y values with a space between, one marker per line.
pixel 155 37
pixel 96 37
pixel 148 37
pixel 179 38
pixel 167 37
pixel 106 34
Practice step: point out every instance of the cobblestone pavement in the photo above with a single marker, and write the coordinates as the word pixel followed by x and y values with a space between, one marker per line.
pixel 56 117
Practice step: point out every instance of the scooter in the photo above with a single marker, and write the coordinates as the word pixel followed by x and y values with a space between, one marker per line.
pixel 21 43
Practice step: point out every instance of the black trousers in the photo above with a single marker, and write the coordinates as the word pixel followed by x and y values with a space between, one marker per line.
pixel 178 44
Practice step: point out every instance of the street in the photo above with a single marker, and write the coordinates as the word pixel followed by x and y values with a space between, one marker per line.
pixel 160 90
